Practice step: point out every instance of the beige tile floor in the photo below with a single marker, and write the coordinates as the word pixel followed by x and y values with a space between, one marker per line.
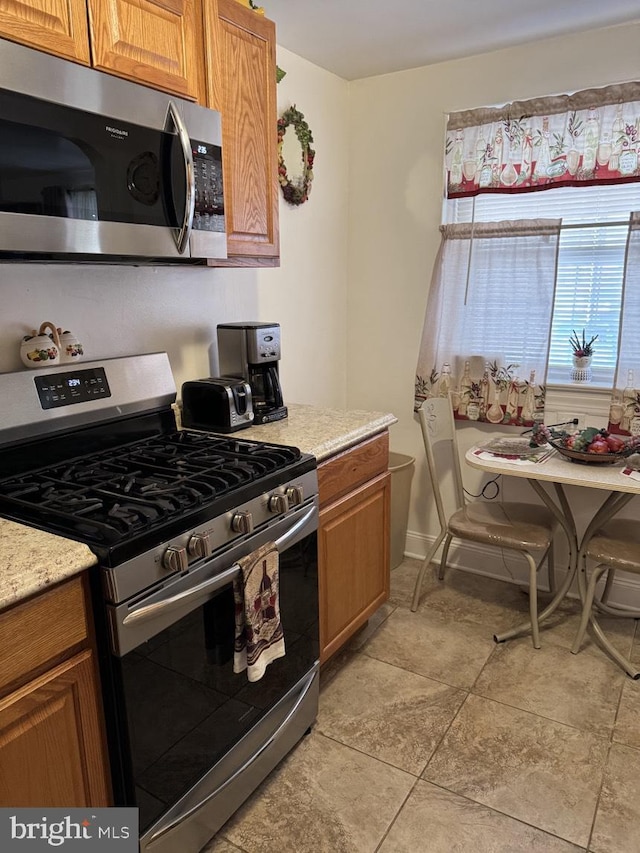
pixel 433 739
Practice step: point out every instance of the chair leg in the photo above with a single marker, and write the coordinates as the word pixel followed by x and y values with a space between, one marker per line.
pixel 588 604
pixel 533 600
pixel 607 586
pixel 551 570
pixel 443 558
pixel 423 568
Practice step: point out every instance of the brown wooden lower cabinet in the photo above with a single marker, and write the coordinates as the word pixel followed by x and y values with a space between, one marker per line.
pixel 353 541
pixel 51 732
pixel 50 740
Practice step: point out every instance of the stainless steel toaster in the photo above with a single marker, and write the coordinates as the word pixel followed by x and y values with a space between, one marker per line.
pixel 217 404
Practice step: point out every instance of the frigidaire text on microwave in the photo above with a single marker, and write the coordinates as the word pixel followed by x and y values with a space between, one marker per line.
pixel 96 168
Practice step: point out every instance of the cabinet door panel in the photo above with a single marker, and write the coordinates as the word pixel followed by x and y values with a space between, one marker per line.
pixel 242 85
pixel 353 546
pixel 55 26
pixel 51 751
pixel 149 41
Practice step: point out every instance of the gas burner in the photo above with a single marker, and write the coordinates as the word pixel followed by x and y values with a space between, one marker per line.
pixel 152 485
pixel 73 503
pixel 85 472
pixel 133 515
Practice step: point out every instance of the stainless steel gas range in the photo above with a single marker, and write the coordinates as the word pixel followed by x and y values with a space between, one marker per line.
pixel 91 452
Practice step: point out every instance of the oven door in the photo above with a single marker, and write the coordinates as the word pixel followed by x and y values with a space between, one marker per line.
pixel 190 739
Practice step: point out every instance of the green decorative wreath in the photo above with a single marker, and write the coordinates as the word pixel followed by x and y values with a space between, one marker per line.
pixel 298 192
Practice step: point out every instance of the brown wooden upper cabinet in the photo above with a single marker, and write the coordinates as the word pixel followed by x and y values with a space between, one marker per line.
pixel 241 83
pixel 55 26
pixel 155 42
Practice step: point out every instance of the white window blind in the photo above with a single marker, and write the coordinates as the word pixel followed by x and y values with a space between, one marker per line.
pixel 590 264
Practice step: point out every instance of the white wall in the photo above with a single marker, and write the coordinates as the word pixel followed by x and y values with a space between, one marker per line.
pixel 121 310
pixel 396 139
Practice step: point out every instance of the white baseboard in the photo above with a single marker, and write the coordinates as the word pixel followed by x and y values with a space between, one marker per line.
pixel 510 567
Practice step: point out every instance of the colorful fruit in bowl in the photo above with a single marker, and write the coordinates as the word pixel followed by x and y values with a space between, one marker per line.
pixel 589 441
pixel 616 444
pixel 598 445
pixel 594 440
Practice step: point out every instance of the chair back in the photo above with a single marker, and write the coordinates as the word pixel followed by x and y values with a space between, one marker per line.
pixel 439 436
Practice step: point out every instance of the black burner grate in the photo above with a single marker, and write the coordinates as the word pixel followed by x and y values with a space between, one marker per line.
pixel 107 497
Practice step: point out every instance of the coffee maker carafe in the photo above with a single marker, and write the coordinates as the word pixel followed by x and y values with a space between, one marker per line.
pixel 251 351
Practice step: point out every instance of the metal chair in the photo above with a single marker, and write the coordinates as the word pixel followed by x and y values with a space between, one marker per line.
pixel 520 527
pixel 615 546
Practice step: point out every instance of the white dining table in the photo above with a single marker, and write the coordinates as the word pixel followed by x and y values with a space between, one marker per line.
pixel 617 487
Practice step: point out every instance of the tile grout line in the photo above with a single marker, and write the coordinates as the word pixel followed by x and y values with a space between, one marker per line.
pixel 396 816
pixel 611 744
pixel 503 814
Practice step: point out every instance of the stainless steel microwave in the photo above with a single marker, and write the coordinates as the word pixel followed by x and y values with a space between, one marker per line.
pixel 96 168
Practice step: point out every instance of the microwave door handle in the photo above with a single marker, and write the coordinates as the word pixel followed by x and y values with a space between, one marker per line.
pixel 184 231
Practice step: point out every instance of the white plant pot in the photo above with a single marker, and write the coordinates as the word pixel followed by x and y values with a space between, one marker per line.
pixel 581 371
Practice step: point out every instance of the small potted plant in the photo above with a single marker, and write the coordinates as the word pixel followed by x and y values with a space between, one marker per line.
pixel 582 348
pixel 582 354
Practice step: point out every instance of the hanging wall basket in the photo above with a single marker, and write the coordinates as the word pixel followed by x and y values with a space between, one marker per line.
pixel 295 188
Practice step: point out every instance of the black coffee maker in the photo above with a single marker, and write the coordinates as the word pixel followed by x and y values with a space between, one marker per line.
pixel 251 351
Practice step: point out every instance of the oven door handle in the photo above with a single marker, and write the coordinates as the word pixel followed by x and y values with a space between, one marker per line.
pixel 273 739
pixel 283 541
pixel 149 611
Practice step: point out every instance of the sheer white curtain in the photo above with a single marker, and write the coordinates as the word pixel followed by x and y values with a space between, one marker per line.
pixel 629 340
pixel 491 299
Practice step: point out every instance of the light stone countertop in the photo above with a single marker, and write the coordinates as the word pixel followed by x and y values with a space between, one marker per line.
pixel 31 560
pixel 321 432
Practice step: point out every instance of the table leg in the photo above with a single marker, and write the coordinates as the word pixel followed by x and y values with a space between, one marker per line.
pixel 562 511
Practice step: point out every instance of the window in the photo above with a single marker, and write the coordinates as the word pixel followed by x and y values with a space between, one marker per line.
pixel 590 267
pixel 541 237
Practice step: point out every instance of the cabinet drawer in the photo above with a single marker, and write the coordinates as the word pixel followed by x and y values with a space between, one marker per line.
pixel 351 469
pixel 41 630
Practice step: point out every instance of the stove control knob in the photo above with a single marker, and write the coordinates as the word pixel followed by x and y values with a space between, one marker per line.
pixel 175 559
pixel 278 503
pixel 199 545
pixel 295 495
pixel 242 522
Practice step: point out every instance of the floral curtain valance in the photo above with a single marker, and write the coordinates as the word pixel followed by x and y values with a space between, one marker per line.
pixel 589 137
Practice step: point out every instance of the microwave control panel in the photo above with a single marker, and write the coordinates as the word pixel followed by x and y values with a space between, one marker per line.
pixel 209 207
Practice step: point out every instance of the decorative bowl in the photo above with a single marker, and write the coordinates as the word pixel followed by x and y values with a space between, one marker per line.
pixel 590 458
